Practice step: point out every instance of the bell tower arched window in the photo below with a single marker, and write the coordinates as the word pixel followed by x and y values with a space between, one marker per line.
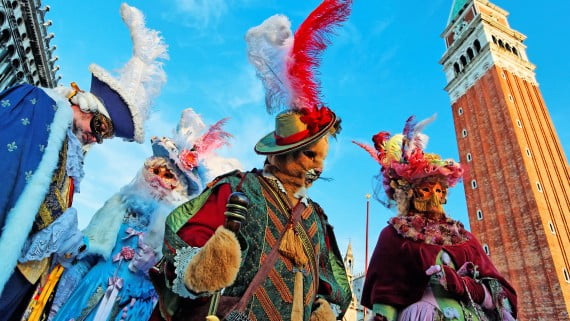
pixel 470 54
pixel 456 68
pixel 477 45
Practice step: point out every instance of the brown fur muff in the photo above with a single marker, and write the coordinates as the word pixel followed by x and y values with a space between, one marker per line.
pixel 216 265
pixel 323 312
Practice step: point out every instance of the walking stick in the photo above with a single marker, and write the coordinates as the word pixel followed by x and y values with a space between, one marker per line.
pixel 236 209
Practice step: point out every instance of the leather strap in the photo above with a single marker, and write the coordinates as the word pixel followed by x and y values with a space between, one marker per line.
pixel 269 261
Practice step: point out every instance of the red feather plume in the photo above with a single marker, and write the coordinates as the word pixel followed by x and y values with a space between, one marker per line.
pixel 310 40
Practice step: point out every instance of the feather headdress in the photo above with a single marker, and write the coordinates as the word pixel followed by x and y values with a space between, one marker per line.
pixel 193 145
pixel 403 160
pixel 287 64
pixel 129 96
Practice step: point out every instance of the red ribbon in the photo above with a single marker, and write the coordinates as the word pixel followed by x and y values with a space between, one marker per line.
pixel 315 120
pixel 291 139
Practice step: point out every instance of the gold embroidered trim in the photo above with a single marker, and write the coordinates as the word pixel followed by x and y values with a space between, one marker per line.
pixel 281 287
pixel 267 305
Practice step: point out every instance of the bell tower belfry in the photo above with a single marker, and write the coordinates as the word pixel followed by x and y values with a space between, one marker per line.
pixel 518 183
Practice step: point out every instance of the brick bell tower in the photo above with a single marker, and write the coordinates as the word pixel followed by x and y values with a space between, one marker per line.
pixel 518 183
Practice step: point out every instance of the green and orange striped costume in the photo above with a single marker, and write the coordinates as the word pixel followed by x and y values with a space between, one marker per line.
pixel 194 222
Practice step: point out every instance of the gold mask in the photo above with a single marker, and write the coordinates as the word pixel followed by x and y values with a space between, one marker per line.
pixel 429 197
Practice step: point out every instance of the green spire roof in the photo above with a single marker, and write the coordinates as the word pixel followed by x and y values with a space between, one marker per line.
pixel 457 5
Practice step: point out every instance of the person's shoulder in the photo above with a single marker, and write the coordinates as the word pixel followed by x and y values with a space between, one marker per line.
pixel 20 88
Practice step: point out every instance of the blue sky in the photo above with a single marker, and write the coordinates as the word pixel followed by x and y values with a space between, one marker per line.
pixel 382 67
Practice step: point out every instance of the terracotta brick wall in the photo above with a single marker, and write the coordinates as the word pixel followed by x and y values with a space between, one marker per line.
pixel 505 120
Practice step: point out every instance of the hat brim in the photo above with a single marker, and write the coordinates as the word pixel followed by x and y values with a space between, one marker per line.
pixel 268 146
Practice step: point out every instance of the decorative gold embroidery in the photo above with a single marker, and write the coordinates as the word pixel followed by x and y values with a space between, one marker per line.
pixel 251 316
pixel 269 238
pixel 310 251
pixel 308 211
pixel 310 296
pixel 312 230
pixel 56 200
pixel 281 286
pixel 33 270
pixel 275 220
pixel 267 306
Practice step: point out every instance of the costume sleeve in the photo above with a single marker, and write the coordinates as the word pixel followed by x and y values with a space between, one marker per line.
pixel 333 281
pixel 504 295
pixel 188 228
pixel 202 225
pixel 59 237
pixel 396 273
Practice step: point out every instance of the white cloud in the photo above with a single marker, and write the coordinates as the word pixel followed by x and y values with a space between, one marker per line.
pixel 247 128
pixel 200 14
pixel 244 89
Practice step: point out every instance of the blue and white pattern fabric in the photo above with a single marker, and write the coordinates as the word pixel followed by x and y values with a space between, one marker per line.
pixel 33 127
pixel 24 129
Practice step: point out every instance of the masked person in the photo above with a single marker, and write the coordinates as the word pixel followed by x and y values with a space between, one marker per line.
pixel 126 234
pixel 284 263
pixel 426 266
pixel 44 134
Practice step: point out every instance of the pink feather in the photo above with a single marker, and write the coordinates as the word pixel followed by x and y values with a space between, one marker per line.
pixel 371 150
pixel 310 40
pixel 213 139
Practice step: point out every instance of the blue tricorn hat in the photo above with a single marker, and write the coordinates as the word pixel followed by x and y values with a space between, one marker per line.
pixel 117 109
pixel 127 98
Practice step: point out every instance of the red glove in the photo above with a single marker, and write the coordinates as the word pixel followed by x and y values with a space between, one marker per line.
pixel 458 284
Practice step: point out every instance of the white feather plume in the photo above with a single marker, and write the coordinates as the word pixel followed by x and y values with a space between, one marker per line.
pixel 189 129
pixel 267 48
pixel 143 76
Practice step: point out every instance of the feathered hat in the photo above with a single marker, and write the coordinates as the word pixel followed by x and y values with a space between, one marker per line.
pixel 404 164
pixel 287 64
pixel 126 99
pixel 192 144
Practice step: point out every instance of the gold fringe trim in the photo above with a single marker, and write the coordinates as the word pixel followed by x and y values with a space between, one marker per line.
pixel 292 248
pixel 297 310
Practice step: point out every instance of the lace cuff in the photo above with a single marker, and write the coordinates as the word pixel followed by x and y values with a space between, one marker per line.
pixel 50 239
pixel 181 260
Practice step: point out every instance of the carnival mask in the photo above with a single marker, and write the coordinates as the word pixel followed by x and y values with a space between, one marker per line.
pixel 160 177
pixel 429 197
